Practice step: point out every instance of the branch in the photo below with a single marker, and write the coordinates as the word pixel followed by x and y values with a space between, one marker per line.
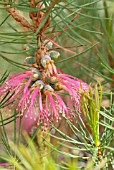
pixel 19 18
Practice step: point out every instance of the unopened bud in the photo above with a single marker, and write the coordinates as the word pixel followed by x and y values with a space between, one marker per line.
pixel 48 87
pixel 36 74
pixel 39 83
pixel 48 43
pixel 52 79
pixel 30 60
pixel 58 86
pixel 45 59
pixel 54 54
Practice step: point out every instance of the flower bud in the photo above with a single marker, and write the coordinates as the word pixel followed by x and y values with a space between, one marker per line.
pixel 58 86
pixel 30 60
pixel 54 54
pixel 48 87
pixel 44 60
pixel 48 44
pixel 36 74
pixel 39 83
pixel 52 79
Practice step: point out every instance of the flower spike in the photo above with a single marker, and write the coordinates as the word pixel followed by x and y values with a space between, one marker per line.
pixel 44 94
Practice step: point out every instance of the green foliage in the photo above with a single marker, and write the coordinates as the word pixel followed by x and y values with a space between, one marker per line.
pixel 91 104
pixel 29 157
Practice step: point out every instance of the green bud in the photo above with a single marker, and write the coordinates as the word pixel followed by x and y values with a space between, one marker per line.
pixel 54 54
pixel 36 74
pixel 48 44
pixel 30 60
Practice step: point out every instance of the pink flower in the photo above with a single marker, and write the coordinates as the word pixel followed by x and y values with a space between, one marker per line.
pixel 74 87
pixel 41 102
pixel 43 94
